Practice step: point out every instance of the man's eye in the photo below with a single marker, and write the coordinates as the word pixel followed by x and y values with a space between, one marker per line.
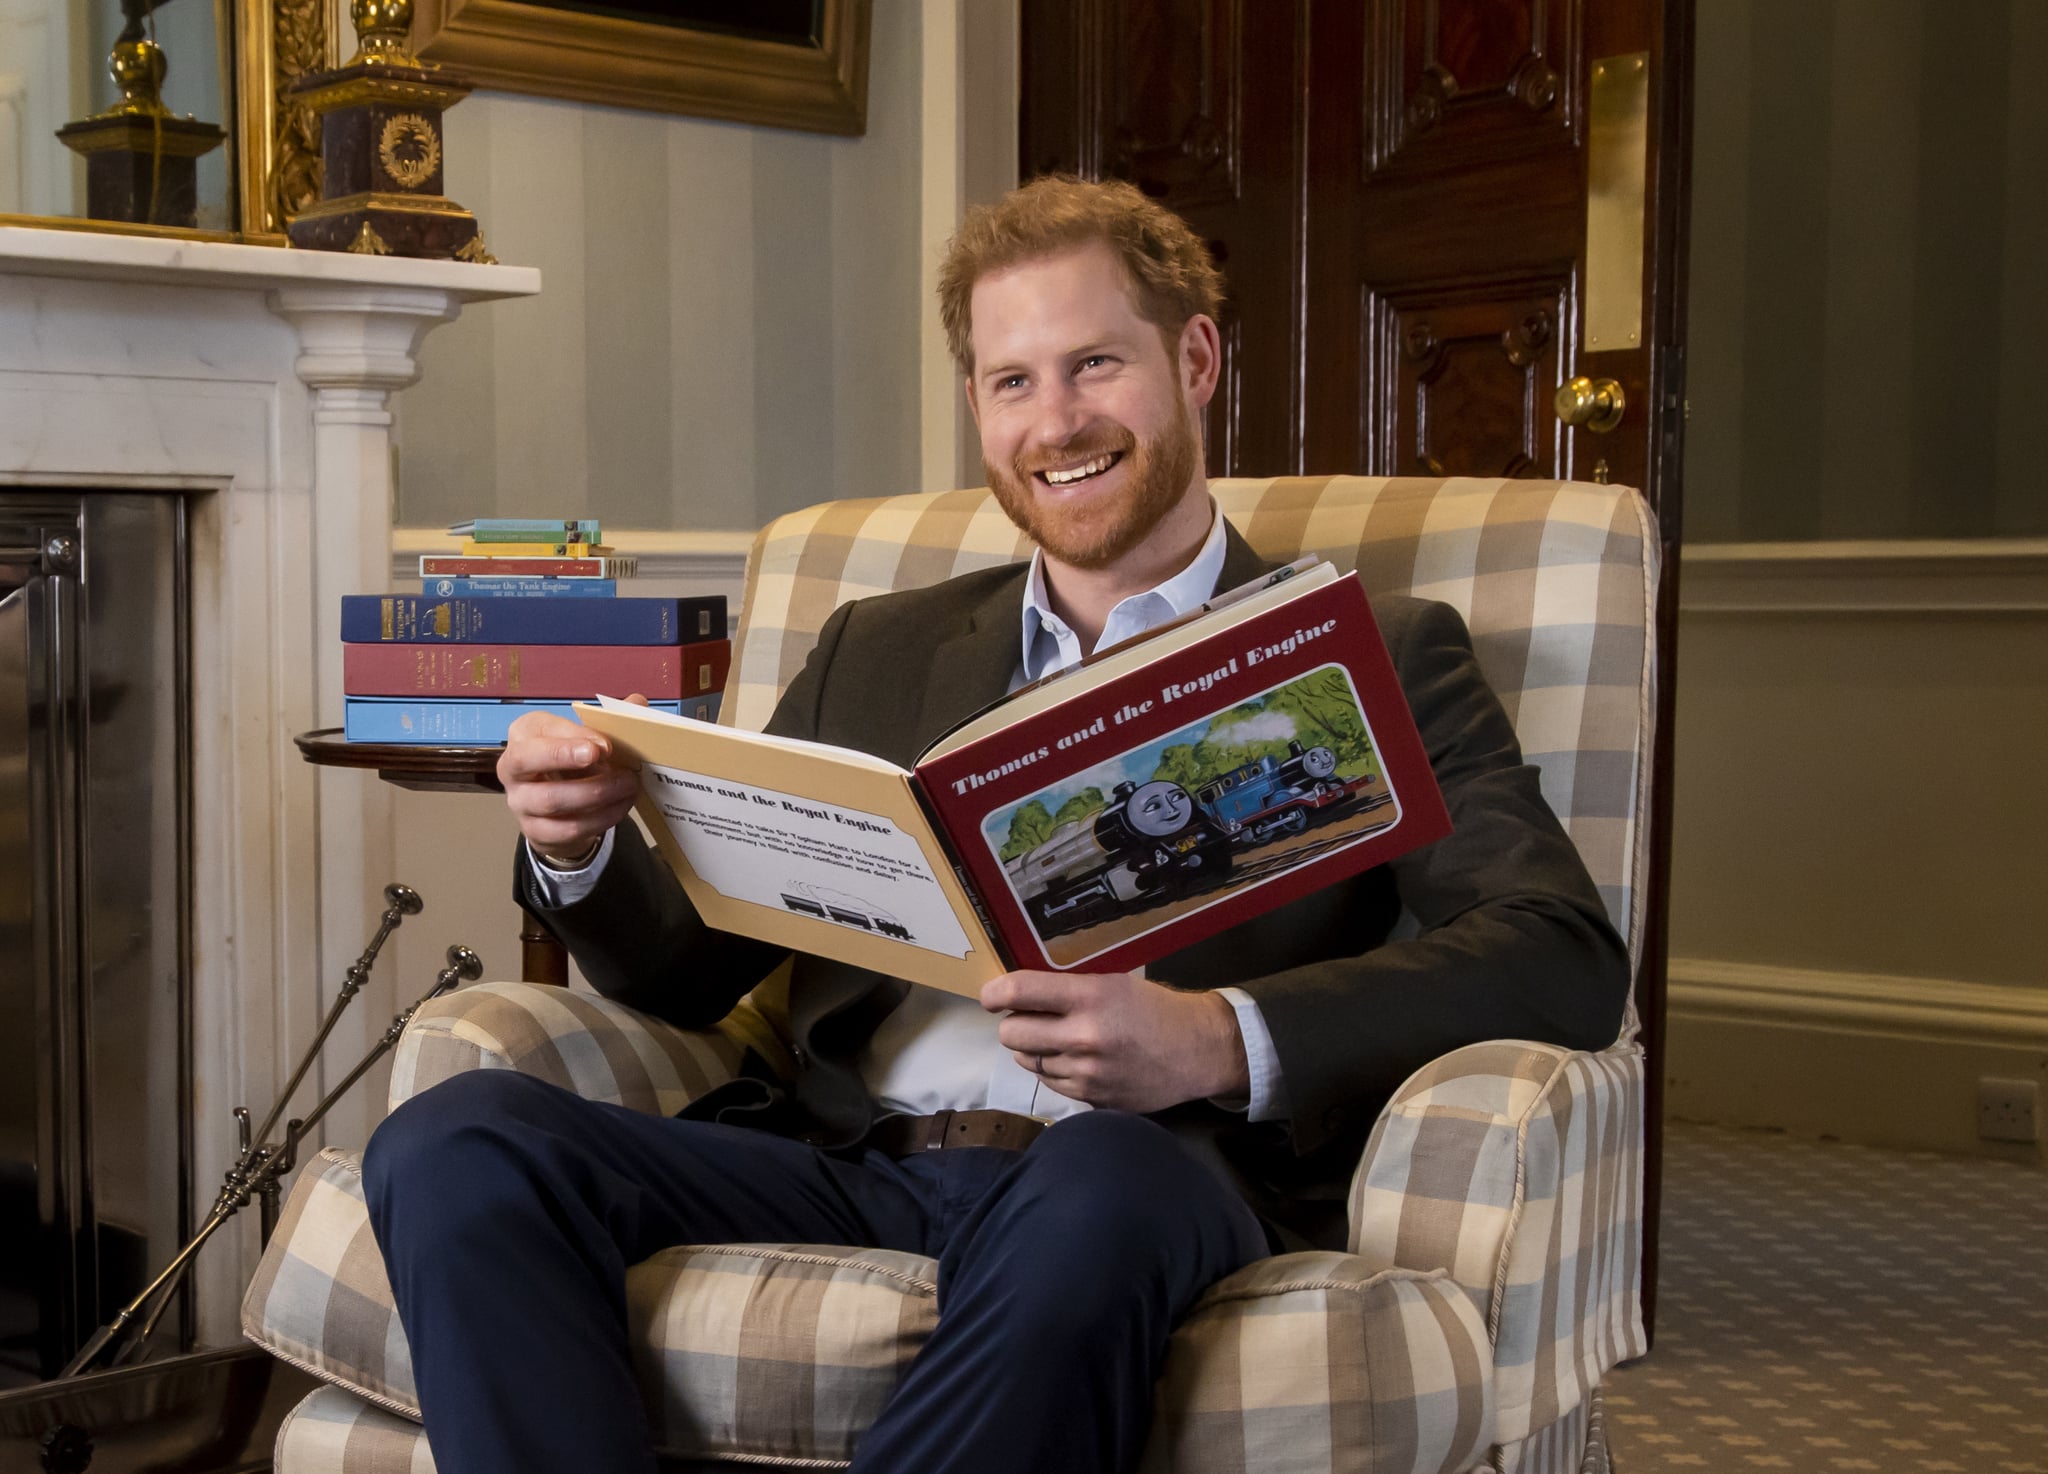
pixel 1095 360
pixel 1010 381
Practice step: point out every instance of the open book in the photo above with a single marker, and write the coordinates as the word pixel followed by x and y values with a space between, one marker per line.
pixel 1160 792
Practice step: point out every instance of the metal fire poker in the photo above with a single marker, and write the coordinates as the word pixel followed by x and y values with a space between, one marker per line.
pixel 260 1163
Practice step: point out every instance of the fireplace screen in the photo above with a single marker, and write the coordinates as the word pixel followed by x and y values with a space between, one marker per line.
pixel 95 1033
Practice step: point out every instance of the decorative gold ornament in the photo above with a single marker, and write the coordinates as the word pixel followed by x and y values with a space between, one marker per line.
pixel 298 48
pixel 409 150
pixel 382 30
pixel 476 253
pixel 369 243
pixel 137 66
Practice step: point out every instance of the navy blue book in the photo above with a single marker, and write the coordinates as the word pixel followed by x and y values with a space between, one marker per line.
pixel 520 588
pixel 470 723
pixel 370 619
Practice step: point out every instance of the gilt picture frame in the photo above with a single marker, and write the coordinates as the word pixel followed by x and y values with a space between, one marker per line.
pixel 588 51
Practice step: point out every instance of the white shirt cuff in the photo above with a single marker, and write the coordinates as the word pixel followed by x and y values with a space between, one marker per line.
pixel 1268 1099
pixel 566 887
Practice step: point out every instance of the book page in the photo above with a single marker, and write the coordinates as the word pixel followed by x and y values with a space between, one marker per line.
pixel 807 857
pixel 817 848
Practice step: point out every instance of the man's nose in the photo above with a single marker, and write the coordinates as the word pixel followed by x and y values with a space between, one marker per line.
pixel 1062 414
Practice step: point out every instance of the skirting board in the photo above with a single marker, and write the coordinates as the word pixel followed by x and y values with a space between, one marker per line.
pixel 1886 1061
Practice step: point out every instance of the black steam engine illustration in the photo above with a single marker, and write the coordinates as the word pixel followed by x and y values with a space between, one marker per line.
pixel 1155 841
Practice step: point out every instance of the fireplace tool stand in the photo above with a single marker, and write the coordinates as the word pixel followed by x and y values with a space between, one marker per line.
pixel 260 1163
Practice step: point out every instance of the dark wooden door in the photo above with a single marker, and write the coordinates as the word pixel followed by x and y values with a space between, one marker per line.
pixel 1432 215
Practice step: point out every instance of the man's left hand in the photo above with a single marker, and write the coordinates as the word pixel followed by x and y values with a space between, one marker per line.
pixel 1117 1040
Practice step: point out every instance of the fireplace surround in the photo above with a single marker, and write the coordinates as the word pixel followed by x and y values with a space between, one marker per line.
pixel 248 387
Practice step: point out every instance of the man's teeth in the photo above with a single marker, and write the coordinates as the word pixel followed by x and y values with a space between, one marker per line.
pixel 1079 473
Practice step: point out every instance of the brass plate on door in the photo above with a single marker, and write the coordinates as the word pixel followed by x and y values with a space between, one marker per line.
pixel 1617 154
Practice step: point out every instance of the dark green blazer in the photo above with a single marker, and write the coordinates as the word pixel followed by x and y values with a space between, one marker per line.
pixel 1513 940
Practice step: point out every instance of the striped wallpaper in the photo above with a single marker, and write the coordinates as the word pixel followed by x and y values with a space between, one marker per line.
pixel 728 327
pixel 1869 319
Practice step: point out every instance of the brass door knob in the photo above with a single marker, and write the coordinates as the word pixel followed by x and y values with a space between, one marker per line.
pixel 1591 404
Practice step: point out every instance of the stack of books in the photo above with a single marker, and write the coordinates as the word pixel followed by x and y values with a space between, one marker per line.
pixel 527 617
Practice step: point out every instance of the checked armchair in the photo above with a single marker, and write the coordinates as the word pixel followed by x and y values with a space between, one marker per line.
pixel 1493 1272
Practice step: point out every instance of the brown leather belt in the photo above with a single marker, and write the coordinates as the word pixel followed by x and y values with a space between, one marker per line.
pixel 906 1136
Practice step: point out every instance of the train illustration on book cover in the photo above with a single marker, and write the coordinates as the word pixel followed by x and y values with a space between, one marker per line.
pixel 1181 821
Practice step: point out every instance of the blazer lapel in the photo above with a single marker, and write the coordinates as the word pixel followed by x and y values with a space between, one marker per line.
pixel 1240 563
pixel 976 665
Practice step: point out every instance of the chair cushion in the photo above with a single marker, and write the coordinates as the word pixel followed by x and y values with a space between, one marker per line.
pixel 785 1353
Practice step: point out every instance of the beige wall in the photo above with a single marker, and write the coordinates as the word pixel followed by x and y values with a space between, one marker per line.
pixel 1857 846
pixel 1860 837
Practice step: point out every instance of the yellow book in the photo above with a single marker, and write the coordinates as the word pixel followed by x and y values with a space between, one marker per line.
pixel 471 548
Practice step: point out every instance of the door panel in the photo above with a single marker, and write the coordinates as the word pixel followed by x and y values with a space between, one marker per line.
pixel 1455 82
pixel 1472 370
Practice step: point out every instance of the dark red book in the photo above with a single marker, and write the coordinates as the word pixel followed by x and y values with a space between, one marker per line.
pixel 535 672
pixel 1175 786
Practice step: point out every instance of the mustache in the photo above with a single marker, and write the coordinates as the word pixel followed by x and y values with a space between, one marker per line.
pixel 1084 447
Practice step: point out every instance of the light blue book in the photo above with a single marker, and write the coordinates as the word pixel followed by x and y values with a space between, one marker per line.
pixel 520 588
pixel 469 723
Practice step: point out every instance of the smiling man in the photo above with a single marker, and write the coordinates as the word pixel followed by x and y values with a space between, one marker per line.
pixel 1082 1154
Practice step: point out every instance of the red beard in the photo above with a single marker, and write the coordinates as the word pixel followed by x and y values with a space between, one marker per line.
pixel 1097 532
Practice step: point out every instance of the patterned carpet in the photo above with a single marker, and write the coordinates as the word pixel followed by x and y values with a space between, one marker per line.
pixel 1827 1307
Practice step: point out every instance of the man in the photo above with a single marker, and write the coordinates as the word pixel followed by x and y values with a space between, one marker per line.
pixel 1203 1116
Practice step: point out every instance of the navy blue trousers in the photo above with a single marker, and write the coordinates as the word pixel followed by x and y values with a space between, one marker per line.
pixel 508 1211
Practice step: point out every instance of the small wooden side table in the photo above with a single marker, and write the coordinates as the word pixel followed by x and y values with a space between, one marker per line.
pixel 441 770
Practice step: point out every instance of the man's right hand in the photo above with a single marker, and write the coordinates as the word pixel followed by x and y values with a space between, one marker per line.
pixel 563 785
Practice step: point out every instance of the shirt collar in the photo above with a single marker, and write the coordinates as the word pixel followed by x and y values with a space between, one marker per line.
pixel 1049 645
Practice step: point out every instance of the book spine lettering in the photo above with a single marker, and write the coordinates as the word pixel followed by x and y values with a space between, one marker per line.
pixel 449 723
pixel 520 588
pixel 534 672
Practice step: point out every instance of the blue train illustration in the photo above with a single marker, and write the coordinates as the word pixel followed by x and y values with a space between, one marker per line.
pixel 1155 841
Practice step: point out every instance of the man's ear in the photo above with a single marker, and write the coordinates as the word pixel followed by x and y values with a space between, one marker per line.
pixel 1201 359
pixel 973 404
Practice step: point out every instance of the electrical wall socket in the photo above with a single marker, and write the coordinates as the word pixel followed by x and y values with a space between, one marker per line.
pixel 2008 1110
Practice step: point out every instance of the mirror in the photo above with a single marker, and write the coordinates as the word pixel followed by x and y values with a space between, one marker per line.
pixel 119 112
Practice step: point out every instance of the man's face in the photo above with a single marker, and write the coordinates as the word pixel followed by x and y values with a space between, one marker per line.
pixel 1085 431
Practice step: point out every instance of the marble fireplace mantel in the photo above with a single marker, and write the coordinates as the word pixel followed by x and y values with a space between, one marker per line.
pixel 256 382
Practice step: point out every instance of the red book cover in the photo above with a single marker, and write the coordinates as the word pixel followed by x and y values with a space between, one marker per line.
pixel 1221 772
pixel 535 672
pixel 451 565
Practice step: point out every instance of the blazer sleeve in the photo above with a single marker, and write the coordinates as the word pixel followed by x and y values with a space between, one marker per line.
pixel 1514 941
pixel 636 936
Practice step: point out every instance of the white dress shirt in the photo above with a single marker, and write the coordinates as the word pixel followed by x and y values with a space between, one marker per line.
pixel 939 1051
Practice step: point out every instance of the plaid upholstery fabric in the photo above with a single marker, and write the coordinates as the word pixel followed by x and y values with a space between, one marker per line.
pixel 1554 578
pixel 599 1049
pixel 785 1353
pixel 1311 1363
pixel 320 1298
pixel 1575 1444
pixel 1518 1168
pixel 332 1431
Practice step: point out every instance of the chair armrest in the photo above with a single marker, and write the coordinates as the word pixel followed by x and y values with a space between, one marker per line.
pixel 1518 1168
pixel 1318 1362
pixel 599 1049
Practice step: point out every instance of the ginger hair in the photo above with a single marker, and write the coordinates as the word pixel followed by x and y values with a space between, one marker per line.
pixel 1171 274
